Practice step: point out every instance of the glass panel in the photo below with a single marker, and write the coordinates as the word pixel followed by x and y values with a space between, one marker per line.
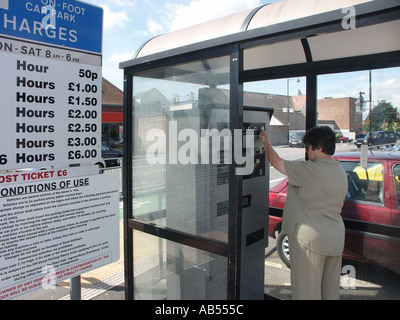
pixel 347 102
pixel 167 270
pixel 180 176
pixel 271 55
pixel 347 43
pixel 364 184
pixel 287 97
pixel 396 178
pixel 361 108
pixel 371 258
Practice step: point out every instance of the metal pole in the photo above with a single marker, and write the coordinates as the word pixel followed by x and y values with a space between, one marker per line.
pixel 235 183
pixel 75 288
pixel 127 185
pixel 288 113
pixel 370 107
pixel 312 101
pixel 75 285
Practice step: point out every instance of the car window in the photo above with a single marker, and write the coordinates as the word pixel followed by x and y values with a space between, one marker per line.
pixel 364 184
pixel 298 135
pixel 396 177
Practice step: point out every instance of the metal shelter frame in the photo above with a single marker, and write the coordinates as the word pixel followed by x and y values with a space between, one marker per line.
pixel 305 30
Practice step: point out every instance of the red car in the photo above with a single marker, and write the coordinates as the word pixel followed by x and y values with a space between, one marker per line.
pixel 345 139
pixel 371 212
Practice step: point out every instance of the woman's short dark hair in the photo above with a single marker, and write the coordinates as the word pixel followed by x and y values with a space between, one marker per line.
pixel 321 137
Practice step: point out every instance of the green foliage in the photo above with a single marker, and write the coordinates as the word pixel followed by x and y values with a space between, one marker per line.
pixel 384 117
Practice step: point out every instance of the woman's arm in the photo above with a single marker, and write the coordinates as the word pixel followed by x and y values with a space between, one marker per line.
pixel 274 159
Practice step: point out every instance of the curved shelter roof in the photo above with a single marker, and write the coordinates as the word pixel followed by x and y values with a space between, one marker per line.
pixel 273 19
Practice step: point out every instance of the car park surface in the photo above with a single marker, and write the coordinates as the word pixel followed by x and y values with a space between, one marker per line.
pixel 371 211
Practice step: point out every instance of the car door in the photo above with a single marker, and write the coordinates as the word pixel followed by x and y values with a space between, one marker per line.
pixel 392 137
pixel 386 138
pixel 394 190
pixel 365 210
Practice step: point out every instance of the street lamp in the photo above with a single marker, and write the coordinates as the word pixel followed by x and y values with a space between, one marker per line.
pixel 361 102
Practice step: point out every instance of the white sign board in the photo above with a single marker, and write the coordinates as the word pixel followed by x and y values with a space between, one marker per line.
pixel 54 224
pixel 50 83
pixel 54 229
pixel 52 112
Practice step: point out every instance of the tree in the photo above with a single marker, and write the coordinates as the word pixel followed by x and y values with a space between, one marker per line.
pixel 384 117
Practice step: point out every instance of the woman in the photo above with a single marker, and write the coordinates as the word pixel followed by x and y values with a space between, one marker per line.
pixel 311 217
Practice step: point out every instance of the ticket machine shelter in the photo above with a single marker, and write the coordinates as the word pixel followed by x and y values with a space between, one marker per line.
pixel 194 78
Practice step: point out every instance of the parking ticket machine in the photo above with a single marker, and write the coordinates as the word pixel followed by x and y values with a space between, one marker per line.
pixel 255 206
pixel 199 197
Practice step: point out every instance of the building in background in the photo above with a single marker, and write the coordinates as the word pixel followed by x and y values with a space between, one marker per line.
pixel 112 115
pixel 347 119
pixel 340 114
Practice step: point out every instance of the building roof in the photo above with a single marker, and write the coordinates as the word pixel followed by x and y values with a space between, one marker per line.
pixel 112 96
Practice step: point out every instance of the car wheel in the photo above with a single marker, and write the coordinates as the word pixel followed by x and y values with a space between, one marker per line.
pixel 282 246
pixel 101 167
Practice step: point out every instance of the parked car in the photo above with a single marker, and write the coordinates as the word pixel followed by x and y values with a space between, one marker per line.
pixel 101 164
pixel 371 211
pixel 112 157
pixel 296 139
pixel 345 139
pixel 384 138
pixel 393 148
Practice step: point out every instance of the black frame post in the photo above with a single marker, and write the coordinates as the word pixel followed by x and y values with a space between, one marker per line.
pixel 127 185
pixel 235 183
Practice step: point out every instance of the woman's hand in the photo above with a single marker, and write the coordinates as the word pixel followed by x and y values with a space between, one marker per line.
pixel 264 137
pixel 274 159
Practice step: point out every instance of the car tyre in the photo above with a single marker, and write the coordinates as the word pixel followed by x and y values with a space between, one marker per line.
pixel 282 246
pixel 101 167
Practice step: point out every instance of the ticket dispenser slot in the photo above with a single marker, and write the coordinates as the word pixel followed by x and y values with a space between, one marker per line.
pixel 254 207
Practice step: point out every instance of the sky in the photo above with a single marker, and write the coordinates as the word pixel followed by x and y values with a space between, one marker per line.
pixel 130 23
